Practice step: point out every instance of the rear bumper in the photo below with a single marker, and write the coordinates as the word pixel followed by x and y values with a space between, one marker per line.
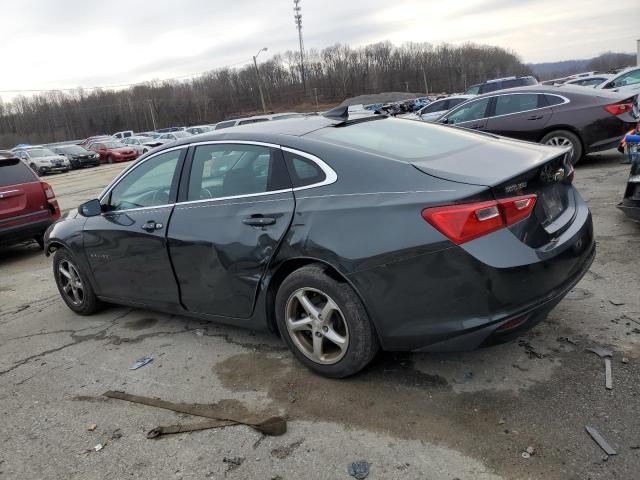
pixel 25 231
pixel 631 209
pixel 455 299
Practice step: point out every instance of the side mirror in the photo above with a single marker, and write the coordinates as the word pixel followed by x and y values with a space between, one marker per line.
pixel 608 85
pixel 92 208
pixel 444 120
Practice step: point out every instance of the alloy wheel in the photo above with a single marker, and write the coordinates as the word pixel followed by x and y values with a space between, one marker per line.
pixel 560 141
pixel 70 282
pixel 317 326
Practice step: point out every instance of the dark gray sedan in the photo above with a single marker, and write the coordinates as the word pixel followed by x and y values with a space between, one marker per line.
pixel 343 235
pixel 584 120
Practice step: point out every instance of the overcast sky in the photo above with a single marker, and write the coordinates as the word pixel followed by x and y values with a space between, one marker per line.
pixel 47 44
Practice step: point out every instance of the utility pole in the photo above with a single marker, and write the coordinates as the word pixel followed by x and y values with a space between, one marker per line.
pixel 315 91
pixel 406 86
pixel 255 64
pixel 297 9
pixel 426 87
pixel 153 114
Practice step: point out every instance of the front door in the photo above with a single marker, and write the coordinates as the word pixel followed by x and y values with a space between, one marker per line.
pixel 238 205
pixel 126 245
pixel 472 115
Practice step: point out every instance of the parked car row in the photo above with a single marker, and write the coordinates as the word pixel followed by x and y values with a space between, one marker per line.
pixel 623 80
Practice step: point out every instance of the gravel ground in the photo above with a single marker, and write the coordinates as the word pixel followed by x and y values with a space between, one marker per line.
pixel 464 416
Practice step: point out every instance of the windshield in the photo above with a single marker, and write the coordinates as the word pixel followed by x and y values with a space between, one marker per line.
pixel 74 150
pixel 399 139
pixel 40 152
pixel 181 134
pixel 113 144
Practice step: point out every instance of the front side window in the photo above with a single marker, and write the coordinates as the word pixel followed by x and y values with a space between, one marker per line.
pixel 469 111
pixel 506 104
pixel 148 185
pixel 630 78
pixel 438 106
pixel 228 170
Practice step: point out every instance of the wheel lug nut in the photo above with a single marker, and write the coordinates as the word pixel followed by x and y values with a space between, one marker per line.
pixel 318 334
pixel 325 329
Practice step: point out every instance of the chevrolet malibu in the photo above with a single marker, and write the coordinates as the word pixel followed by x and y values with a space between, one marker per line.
pixel 344 235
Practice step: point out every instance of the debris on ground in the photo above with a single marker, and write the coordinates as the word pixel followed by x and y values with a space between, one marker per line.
pixel 529 349
pixel 526 455
pixel 567 339
pixel 141 363
pixel 502 421
pixel 608 382
pixel 602 443
pixel 116 434
pixel 199 332
pixel 286 450
pixel 233 462
pixel 218 414
pixel 98 447
pixel 624 360
pixel 616 302
pixel 291 397
pixel 359 469
pixel 92 427
pixel 600 351
pixel 530 450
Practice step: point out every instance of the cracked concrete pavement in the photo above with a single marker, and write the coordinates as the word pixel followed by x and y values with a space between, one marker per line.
pixel 465 416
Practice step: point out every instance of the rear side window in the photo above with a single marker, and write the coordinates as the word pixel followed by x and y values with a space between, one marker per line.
pixel 228 170
pixel 228 124
pixel 15 172
pixel 506 104
pixel 553 100
pixel 303 172
pixel 438 106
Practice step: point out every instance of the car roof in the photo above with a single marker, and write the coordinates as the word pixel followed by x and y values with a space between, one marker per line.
pixel 554 89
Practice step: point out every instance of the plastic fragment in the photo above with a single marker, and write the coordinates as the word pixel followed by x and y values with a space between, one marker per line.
pixel 601 351
pixel 141 363
pixel 98 447
pixel 602 443
pixel 92 427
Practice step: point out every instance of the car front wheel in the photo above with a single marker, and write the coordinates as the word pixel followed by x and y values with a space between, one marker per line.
pixel 324 323
pixel 565 138
pixel 73 285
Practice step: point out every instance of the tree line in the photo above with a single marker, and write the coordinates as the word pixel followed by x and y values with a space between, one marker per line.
pixel 331 75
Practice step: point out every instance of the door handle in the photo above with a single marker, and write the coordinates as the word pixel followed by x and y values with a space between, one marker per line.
pixel 535 117
pixel 259 221
pixel 151 225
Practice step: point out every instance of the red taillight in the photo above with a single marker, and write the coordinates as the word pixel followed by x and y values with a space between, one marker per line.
pixel 619 108
pixel 48 191
pixel 462 223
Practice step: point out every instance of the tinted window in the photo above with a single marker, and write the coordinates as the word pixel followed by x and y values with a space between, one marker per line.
pixel 230 123
pixel 397 138
pixel 553 100
pixel 438 106
pixel 253 120
pixel 303 171
pixel 506 104
pixel 456 101
pixel 14 172
pixel 489 87
pixel 470 111
pixel 147 185
pixel 473 90
pixel 227 170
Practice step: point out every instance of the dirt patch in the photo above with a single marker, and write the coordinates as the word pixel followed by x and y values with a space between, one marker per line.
pixel 141 323
pixel 284 451
pixel 391 397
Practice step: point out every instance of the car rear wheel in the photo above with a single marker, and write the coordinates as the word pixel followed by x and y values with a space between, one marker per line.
pixel 565 138
pixel 324 323
pixel 73 285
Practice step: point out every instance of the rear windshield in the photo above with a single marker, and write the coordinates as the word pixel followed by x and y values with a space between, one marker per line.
pixel 399 139
pixel 14 172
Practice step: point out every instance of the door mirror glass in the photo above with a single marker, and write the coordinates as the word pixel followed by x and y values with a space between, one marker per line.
pixel 91 208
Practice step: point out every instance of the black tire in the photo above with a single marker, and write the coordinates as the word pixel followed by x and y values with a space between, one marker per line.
pixel 39 239
pixel 350 318
pixel 560 137
pixel 88 303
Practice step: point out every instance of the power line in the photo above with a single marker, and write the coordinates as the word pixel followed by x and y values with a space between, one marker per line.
pixel 122 85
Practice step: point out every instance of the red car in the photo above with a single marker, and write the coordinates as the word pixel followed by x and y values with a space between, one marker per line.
pixel 27 205
pixel 112 151
pixel 95 138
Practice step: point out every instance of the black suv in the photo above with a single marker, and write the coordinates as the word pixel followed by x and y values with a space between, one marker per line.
pixel 500 84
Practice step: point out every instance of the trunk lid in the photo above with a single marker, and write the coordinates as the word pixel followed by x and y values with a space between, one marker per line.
pixel 22 198
pixel 512 168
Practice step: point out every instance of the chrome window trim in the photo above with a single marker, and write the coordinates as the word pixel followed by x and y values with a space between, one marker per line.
pixel 565 101
pixel 330 175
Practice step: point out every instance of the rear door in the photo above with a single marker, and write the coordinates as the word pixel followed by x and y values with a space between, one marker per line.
pixel 237 205
pixel 126 245
pixel 519 115
pixel 22 198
